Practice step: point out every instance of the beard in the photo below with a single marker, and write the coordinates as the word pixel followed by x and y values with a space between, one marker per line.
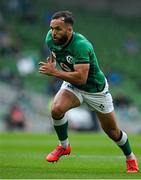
pixel 61 41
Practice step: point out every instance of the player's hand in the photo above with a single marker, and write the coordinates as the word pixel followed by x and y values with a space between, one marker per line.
pixel 51 57
pixel 47 67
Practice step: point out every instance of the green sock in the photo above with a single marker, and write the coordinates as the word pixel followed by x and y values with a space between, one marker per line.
pixel 62 131
pixel 61 128
pixel 126 148
pixel 123 143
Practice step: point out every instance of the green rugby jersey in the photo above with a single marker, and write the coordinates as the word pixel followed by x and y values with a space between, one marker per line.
pixel 78 51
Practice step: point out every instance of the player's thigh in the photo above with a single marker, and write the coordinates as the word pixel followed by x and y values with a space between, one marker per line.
pixel 65 100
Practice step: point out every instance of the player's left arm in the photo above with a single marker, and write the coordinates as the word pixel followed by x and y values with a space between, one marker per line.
pixel 78 76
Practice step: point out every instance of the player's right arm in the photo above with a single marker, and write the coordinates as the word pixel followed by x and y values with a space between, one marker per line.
pixel 78 76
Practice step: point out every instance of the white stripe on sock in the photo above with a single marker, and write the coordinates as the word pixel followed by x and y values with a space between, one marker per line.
pixel 64 143
pixel 131 156
pixel 123 139
pixel 60 121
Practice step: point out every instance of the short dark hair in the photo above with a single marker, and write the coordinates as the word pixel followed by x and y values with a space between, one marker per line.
pixel 66 15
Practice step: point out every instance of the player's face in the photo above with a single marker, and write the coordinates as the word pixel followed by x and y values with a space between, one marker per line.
pixel 60 31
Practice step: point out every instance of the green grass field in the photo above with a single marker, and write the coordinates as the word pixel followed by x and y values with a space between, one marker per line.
pixel 93 156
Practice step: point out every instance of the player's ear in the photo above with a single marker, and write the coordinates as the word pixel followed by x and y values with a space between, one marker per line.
pixel 69 29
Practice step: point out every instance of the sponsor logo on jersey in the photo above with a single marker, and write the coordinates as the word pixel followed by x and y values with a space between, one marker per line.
pixel 69 59
pixel 65 67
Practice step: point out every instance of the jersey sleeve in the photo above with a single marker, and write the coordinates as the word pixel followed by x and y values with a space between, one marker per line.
pixel 82 52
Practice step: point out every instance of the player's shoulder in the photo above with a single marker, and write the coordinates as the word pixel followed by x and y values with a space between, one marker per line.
pixel 81 40
pixel 48 38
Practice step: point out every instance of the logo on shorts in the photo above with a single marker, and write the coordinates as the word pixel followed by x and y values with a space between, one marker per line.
pixel 101 107
pixel 70 86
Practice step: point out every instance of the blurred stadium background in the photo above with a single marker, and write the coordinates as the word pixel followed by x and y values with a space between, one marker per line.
pixel 113 26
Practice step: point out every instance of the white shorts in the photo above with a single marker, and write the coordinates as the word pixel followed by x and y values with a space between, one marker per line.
pixel 101 101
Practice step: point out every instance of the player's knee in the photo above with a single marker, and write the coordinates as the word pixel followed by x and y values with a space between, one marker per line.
pixel 57 112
